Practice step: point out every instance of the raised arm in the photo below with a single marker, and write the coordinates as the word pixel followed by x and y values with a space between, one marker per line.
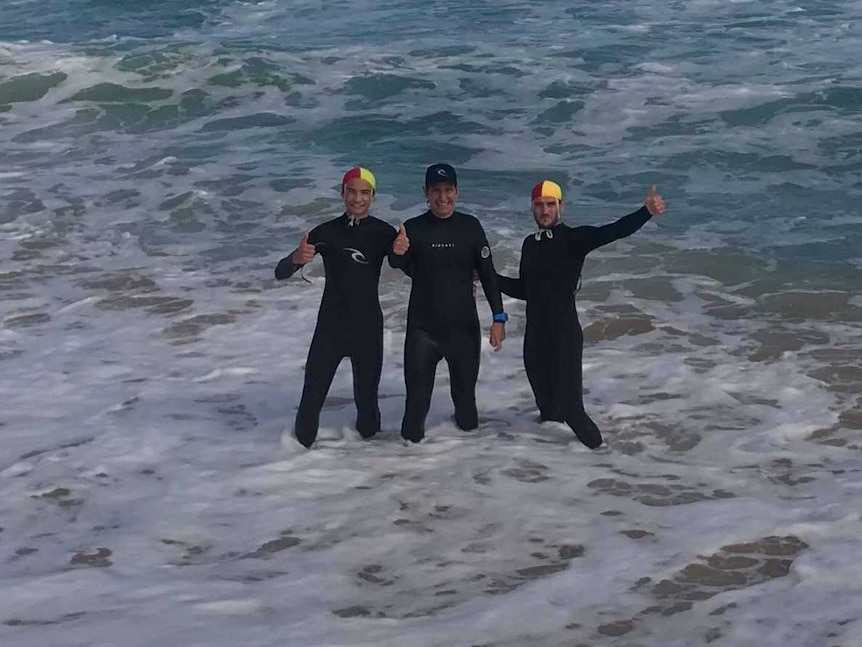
pixel 625 226
pixel 399 254
pixel 302 255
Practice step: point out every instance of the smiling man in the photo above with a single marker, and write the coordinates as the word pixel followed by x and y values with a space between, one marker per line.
pixel 440 250
pixel 349 322
pixel 551 262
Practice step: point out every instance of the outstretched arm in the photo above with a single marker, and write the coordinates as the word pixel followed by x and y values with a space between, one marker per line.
pixel 627 225
pixel 512 287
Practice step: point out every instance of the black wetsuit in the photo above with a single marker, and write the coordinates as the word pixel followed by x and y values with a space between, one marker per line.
pixel 551 263
pixel 349 322
pixel 442 322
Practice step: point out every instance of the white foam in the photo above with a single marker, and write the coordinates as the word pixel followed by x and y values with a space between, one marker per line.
pixel 168 441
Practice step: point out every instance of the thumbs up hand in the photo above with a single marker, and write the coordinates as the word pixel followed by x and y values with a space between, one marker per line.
pixel 304 253
pixel 401 243
pixel 654 202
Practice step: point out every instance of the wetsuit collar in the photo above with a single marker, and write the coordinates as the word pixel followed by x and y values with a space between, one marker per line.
pixel 352 222
pixel 547 233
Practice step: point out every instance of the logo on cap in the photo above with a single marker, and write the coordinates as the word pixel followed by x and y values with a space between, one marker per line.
pixel 438 173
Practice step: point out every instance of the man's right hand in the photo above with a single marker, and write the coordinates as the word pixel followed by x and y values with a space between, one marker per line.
pixel 304 253
pixel 401 243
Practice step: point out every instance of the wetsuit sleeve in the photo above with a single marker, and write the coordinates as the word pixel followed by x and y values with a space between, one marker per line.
pixel 512 287
pixel 286 267
pixel 625 226
pixel 484 265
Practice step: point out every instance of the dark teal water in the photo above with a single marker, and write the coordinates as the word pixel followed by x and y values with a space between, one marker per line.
pixel 747 116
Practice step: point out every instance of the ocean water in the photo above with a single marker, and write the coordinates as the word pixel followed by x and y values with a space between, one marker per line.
pixel 158 159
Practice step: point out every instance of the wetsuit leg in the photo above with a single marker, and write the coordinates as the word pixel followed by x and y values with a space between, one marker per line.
pixel 540 361
pixel 570 394
pixel 421 355
pixel 367 362
pixel 461 351
pixel 324 356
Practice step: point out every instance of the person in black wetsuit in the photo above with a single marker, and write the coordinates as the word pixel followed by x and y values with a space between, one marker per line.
pixel 550 270
pixel 440 250
pixel 349 322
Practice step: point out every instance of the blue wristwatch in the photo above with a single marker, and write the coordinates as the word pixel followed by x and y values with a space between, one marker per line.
pixel 501 317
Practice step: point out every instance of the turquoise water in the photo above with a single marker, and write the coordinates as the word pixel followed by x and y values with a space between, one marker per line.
pixel 158 158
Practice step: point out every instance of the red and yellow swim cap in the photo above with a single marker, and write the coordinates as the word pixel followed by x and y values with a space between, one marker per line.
pixel 547 189
pixel 362 174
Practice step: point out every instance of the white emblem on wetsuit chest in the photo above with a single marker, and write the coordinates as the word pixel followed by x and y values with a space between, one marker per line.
pixel 356 255
pixel 485 252
pixel 440 245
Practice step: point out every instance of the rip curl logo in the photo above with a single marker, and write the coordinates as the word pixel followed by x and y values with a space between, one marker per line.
pixel 486 252
pixel 356 255
pixel 441 172
pixel 442 245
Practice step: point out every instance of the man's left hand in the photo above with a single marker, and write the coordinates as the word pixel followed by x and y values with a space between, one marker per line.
pixel 654 202
pixel 498 334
